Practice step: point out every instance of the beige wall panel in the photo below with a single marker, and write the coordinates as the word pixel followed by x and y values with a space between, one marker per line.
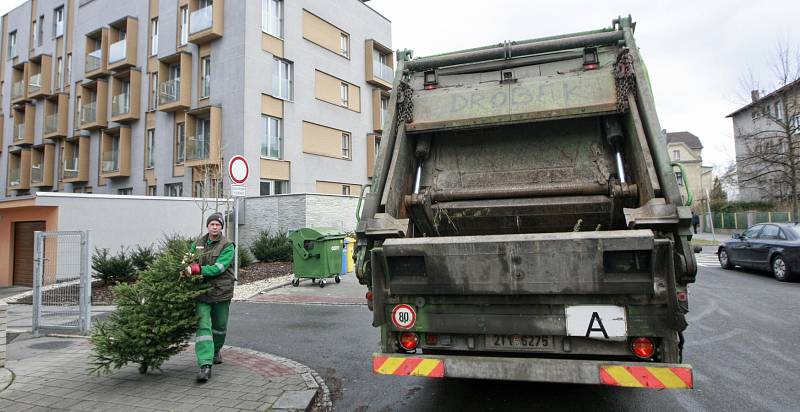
pixel 271 106
pixel 327 88
pixel 272 45
pixel 321 32
pixel 335 188
pixel 275 169
pixel 322 140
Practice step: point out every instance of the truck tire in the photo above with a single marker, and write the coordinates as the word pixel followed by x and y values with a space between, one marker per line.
pixel 724 260
pixel 780 269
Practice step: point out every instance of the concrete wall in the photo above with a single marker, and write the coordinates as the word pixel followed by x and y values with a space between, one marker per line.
pixel 294 211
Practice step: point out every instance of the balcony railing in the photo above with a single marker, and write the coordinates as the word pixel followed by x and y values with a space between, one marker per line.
pixel 36 173
pixel 18 90
pixel 201 19
pixel 205 86
pixel 71 168
pixel 117 51
pixel 89 113
pixel 120 104
pixel 13 177
pixel 19 132
pixel 94 60
pixel 169 91
pixel 110 161
pixel 382 71
pixel 35 83
pixel 197 147
pixel 50 123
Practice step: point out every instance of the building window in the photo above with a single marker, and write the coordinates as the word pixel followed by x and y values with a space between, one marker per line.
pixel 778 110
pixel 149 149
pixel 173 189
pixel 125 191
pixel 676 155
pixel 153 90
pixel 679 176
pixel 273 136
pixel 273 187
pixel 282 79
pixel 68 71
pixel 180 144
pixel 59 71
pixel 205 77
pixel 40 33
pixel 151 190
pixel 346 145
pixel 344 92
pixel 344 44
pixel 346 190
pixel 58 21
pixel 184 25
pixel 34 34
pixel 272 17
pixel 12 44
pixel 154 36
pixel 384 109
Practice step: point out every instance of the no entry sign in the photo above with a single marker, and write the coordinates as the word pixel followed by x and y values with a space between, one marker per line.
pixel 238 169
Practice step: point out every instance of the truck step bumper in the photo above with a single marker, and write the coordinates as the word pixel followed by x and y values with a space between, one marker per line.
pixel 629 374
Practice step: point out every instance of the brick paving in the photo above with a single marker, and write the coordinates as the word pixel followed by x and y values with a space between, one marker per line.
pixel 51 374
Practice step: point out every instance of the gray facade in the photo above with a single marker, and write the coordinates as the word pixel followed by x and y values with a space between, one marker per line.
pixel 241 73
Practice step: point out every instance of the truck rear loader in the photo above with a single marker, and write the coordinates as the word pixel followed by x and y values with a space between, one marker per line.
pixel 524 221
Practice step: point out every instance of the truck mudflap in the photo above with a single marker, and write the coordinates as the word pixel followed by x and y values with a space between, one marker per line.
pixel 628 374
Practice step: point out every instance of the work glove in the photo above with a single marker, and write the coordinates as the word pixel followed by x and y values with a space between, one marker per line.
pixel 193 269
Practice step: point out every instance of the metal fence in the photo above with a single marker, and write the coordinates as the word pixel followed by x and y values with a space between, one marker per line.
pixel 742 220
pixel 62 283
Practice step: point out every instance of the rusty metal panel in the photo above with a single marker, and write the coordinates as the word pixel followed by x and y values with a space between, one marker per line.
pixel 541 97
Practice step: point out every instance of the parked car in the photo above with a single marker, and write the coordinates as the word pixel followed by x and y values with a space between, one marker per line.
pixel 766 246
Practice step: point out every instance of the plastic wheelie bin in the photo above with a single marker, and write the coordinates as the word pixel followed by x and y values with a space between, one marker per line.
pixel 316 254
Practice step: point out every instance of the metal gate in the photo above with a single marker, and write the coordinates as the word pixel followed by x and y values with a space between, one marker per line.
pixel 62 282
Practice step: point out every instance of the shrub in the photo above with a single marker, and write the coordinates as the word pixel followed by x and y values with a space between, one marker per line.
pixel 142 257
pixel 245 258
pixel 112 269
pixel 270 247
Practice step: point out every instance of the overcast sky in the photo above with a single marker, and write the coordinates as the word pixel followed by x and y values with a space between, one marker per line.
pixel 696 51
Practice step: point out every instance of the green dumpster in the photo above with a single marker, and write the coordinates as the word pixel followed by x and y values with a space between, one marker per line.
pixel 316 254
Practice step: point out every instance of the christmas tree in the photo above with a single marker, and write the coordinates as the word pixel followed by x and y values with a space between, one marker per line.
pixel 154 318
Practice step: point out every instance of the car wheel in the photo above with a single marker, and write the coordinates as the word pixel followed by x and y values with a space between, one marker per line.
pixel 724 260
pixel 780 269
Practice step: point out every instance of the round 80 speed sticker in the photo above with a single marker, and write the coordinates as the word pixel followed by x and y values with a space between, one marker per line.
pixel 404 316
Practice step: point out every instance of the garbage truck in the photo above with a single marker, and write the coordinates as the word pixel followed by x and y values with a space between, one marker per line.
pixel 524 221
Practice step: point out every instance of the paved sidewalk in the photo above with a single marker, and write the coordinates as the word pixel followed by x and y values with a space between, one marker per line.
pixel 348 292
pixel 51 374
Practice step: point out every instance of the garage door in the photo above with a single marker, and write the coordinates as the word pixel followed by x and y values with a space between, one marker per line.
pixel 23 251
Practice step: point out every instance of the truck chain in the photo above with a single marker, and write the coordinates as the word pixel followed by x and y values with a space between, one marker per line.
pixel 405 105
pixel 624 78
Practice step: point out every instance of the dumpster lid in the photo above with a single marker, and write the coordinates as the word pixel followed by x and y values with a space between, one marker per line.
pixel 317 233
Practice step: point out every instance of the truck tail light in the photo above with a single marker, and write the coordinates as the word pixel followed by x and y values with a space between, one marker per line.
pixel 431 339
pixel 369 296
pixel 409 340
pixel 643 347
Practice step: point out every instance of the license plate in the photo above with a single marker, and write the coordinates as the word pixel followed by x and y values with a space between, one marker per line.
pixel 520 342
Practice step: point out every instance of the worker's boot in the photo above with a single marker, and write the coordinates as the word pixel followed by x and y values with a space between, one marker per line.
pixel 217 358
pixel 205 373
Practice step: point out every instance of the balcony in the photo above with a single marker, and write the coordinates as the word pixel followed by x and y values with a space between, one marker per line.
pixel 35 83
pixel 123 39
pixel 204 134
pixel 94 113
pixel 205 24
pixel 117 51
pixel 70 168
pixel 14 179
pixel 19 133
pixel 23 129
pixel 126 91
pixel 115 149
pixel 97 56
pixel 120 104
pixel 88 113
pixel 42 159
pixel 380 108
pixel 379 71
pixel 169 92
pixel 19 169
pixel 76 160
pixel 50 123
pixel 36 174
pixel 197 147
pixel 18 90
pixel 39 73
pixel 56 108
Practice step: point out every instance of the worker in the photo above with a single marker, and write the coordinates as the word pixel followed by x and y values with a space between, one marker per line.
pixel 215 264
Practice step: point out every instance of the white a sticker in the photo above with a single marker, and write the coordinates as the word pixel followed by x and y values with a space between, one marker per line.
pixel 605 322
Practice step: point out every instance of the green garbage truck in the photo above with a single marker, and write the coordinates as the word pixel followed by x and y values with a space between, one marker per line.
pixel 524 221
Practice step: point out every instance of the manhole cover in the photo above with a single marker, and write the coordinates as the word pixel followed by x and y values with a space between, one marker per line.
pixel 51 345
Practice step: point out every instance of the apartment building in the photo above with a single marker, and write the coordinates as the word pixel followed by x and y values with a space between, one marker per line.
pixel 686 149
pixel 152 97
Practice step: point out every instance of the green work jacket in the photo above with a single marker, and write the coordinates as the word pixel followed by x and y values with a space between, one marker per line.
pixel 216 267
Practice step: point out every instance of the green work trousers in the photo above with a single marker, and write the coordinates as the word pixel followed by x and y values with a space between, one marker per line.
pixel 211 327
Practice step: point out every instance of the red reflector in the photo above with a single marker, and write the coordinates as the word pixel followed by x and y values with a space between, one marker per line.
pixel 682 296
pixel 592 66
pixel 643 348
pixel 369 296
pixel 430 86
pixel 431 339
pixel 409 340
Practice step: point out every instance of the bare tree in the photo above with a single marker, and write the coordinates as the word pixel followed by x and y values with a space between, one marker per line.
pixel 770 159
pixel 209 189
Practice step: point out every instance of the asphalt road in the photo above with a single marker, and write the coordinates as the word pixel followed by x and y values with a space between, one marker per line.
pixel 743 341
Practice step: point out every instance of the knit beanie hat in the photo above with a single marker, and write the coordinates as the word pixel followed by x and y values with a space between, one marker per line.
pixel 216 216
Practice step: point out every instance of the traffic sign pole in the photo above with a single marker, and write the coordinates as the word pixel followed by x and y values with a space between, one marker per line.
pixel 238 171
